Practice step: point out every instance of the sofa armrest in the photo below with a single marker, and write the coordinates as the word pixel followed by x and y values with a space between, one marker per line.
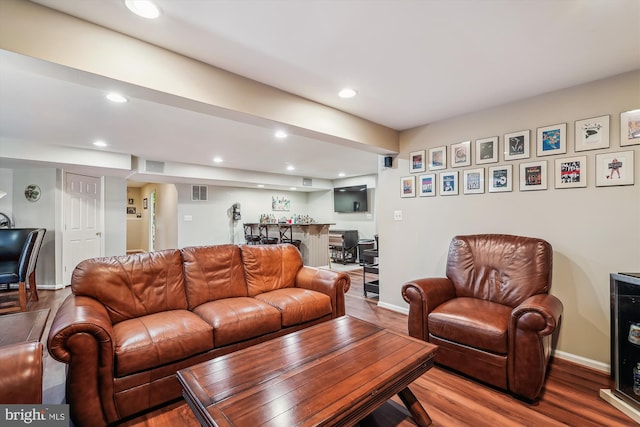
pixel 81 336
pixel 423 295
pixel 332 283
pixel 21 373
pixel 530 329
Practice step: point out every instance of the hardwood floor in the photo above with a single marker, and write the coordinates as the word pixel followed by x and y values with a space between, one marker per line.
pixel 570 396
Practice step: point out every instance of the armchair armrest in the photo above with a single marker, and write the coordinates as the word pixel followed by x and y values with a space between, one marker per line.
pixel 332 283
pixel 530 329
pixel 540 313
pixel 423 295
pixel 81 336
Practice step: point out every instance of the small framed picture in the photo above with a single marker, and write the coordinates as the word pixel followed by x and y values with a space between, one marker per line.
pixel 131 210
pixel 130 201
pixel 592 134
pixel 449 183
pixel 417 161
pixel 533 176
pixel 614 169
pixel 500 179
pixel 571 172
pixel 552 140
pixel 408 186
pixel 630 128
pixel 145 203
pixel 516 145
pixel 461 154
pixel 474 181
pixel 427 185
pixel 487 150
pixel 437 158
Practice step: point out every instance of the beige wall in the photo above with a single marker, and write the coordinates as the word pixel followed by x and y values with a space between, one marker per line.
pixel 594 231
pixel 166 223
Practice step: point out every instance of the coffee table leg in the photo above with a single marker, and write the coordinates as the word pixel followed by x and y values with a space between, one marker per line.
pixel 418 413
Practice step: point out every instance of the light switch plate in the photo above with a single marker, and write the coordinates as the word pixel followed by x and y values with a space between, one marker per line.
pixel 397 215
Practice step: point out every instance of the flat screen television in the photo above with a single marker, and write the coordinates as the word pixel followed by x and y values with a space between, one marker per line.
pixel 350 199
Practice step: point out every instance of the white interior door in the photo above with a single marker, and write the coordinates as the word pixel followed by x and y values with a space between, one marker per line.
pixel 82 235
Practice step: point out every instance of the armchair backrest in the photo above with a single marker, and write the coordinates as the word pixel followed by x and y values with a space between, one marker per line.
pixel 500 268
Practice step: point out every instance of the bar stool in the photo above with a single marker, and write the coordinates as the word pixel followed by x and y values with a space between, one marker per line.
pixel 269 241
pixel 252 239
pixel 294 242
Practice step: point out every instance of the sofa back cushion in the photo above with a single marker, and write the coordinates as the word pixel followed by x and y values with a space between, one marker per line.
pixel 133 285
pixel 212 273
pixel 500 268
pixel 270 267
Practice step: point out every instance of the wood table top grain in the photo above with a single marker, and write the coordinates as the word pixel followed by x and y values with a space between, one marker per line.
pixel 334 373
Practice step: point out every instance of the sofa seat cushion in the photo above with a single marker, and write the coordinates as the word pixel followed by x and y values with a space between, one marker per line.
pixel 473 322
pixel 156 339
pixel 298 305
pixel 238 319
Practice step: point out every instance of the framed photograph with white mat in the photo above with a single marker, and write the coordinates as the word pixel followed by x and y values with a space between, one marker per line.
pixel 417 161
pixel 427 185
pixel 461 154
pixel 630 128
pixel 437 158
pixel 487 150
pixel 552 140
pixel 449 183
pixel 592 134
pixel 614 169
pixel 533 176
pixel 571 172
pixel 516 145
pixel 500 179
pixel 473 181
pixel 408 186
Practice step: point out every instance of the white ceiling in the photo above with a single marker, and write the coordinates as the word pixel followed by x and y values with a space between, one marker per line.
pixel 412 62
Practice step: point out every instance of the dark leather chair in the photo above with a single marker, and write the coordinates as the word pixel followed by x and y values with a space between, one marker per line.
pixel 492 316
pixel 33 261
pixel 16 246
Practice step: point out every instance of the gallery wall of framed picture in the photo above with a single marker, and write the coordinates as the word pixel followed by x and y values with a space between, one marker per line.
pixel 536 156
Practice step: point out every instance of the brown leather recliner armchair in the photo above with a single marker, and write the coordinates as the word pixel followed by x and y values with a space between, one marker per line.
pixel 492 317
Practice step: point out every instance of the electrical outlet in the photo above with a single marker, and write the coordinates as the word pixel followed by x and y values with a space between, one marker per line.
pixel 397 215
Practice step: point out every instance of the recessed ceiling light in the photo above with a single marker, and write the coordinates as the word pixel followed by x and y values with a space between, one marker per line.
pixel 347 92
pixel 291 168
pixel 143 8
pixel 293 188
pixel 218 159
pixel 116 97
pixel 260 185
pixel 341 174
pixel 100 143
pixel 281 134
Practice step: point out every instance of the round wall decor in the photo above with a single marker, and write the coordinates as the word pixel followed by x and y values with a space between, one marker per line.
pixel 32 193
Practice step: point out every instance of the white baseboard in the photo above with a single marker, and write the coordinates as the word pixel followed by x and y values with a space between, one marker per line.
pixel 52 287
pixel 583 361
pixel 589 363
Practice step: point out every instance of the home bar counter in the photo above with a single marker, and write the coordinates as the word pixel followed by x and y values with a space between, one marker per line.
pixel 314 238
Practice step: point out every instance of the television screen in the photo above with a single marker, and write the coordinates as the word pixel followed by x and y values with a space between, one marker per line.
pixel 350 199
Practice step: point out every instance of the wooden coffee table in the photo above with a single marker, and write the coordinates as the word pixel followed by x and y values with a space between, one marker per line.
pixel 331 374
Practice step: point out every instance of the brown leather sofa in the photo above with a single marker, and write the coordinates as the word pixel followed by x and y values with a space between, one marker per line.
pixel 21 373
pixel 133 321
pixel 492 317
